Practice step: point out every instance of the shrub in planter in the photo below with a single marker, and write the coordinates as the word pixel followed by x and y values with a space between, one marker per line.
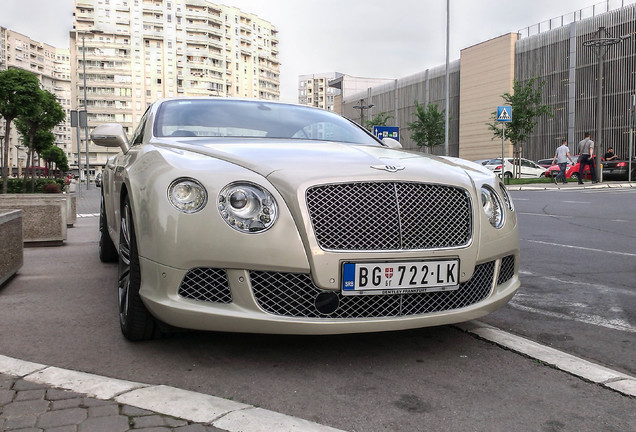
pixel 51 188
pixel 14 185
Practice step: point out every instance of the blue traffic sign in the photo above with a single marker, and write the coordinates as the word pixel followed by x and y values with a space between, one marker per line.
pixel 387 132
pixel 504 113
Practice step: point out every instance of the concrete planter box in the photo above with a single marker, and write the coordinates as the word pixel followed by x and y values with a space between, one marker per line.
pixel 44 217
pixel 11 246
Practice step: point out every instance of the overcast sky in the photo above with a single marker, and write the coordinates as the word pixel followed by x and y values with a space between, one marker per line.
pixel 365 38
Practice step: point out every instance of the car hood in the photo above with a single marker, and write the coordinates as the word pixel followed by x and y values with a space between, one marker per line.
pixel 291 162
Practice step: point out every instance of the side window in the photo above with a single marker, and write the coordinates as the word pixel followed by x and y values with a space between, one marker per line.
pixel 138 135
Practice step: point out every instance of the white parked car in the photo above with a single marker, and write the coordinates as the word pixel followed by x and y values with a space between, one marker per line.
pixel 527 169
pixel 258 216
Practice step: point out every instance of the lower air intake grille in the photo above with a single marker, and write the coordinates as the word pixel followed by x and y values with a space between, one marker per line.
pixel 206 284
pixel 507 270
pixel 294 294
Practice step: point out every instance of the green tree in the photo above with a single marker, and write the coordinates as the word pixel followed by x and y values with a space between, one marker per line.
pixel 19 94
pixel 55 155
pixel 45 115
pixel 428 128
pixel 525 101
pixel 378 120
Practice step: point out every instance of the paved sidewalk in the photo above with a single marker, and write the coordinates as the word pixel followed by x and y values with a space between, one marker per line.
pixel 28 406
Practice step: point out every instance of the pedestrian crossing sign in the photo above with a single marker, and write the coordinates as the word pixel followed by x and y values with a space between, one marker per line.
pixel 504 113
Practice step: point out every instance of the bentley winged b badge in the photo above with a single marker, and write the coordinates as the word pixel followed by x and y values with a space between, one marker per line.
pixel 389 168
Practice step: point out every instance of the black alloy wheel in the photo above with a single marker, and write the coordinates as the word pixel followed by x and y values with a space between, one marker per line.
pixel 134 319
pixel 107 249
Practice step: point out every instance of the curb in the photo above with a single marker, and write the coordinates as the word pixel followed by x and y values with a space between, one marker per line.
pixel 605 377
pixel 569 186
pixel 220 413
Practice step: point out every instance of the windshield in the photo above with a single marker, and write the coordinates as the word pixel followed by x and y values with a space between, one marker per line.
pixel 254 119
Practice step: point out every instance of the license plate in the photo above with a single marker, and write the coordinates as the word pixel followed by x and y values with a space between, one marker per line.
pixel 400 277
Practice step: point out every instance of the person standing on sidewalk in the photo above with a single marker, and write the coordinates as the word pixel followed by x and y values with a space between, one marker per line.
pixel 586 152
pixel 561 157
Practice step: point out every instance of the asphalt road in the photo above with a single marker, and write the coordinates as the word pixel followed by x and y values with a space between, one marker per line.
pixel 578 274
pixel 62 311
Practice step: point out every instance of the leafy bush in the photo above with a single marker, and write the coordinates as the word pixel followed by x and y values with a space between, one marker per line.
pixel 14 185
pixel 51 188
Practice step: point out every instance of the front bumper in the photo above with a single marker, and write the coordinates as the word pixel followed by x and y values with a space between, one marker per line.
pixel 234 300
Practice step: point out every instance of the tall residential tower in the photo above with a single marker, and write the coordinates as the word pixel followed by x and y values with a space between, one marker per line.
pixel 138 51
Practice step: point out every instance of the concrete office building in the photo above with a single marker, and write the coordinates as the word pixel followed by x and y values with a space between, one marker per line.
pixel 138 51
pixel 326 90
pixel 553 51
pixel 51 66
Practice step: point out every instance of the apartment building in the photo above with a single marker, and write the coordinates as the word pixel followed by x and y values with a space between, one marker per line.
pixel 314 90
pixel 51 66
pixel 137 51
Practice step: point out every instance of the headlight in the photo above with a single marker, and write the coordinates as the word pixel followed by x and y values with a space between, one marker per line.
pixel 506 196
pixel 247 207
pixel 187 195
pixel 493 207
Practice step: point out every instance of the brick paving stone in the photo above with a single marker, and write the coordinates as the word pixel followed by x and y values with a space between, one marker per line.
pixel 132 411
pixel 90 402
pixel 27 395
pixel 173 422
pixel 148 421
pixel 71 416
pixel 21 384
pixel 103 411
pixel 154 429
pixel 66 403
pixel 16 409
pixel 69 428
pixel 21 422
pixel 57 394
pixel 27 430
pixel 6 396
pixel 105 424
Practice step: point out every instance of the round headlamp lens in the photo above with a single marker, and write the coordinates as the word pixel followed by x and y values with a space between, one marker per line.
pixel 187 195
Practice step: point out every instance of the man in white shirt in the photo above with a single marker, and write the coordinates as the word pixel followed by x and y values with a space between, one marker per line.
pixel 561 157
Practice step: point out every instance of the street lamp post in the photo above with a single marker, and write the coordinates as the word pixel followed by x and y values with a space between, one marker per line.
pixel 361 106
pixel 601 42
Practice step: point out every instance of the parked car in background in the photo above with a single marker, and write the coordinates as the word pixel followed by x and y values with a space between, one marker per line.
pixel 481 161
pixel 545 163
pixel 264 217
pixel 527 169
pixel 616 169
pixel 572 170
pixel 98 180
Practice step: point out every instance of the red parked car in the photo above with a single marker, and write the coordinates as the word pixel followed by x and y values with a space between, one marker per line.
pixel 572 171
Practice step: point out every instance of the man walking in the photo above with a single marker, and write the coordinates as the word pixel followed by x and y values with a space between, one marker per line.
pixel 561 157
pixel 586 152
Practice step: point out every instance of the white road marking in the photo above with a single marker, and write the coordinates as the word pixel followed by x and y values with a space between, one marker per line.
pixel 86 215
pixel 614 324
pixel 582 248
pixel 545 215
pixel 577 202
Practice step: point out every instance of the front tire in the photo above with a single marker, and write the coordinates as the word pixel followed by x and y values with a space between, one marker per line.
pixel 575 176
pixel 508 175
pixel 134 319
pixel 107 250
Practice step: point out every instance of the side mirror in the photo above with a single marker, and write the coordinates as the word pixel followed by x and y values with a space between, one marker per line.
pixel 391 143
pixel 111 135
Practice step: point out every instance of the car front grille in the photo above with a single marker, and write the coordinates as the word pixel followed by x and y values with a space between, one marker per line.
pixel 389 216
pixel 206 284
pixel 294 295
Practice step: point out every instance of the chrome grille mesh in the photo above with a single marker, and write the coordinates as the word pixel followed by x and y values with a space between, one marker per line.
pixel 206 284
pixel 389 216
pixel 293 294
pixel 507 269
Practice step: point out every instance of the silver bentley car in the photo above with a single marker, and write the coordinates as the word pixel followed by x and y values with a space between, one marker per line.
pixel 263 217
